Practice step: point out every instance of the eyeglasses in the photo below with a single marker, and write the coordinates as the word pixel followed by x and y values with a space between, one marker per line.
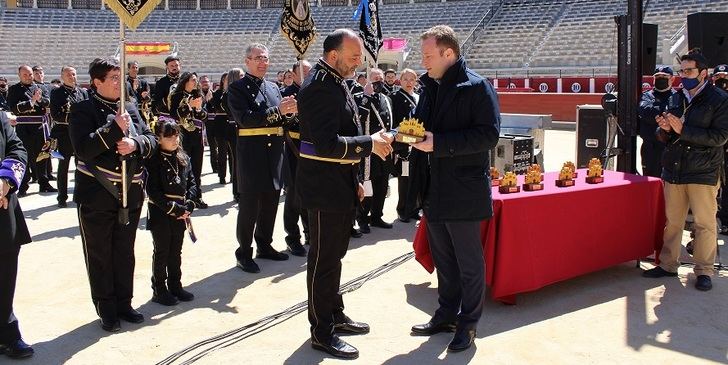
pixel 115 78
pixel 259 58
pixel 687 71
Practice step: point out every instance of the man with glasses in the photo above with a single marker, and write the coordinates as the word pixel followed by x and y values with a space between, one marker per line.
pixel 260 112
pixel 662 98
pixel 693 167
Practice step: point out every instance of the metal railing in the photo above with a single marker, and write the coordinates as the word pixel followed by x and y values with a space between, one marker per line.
pixel 469 41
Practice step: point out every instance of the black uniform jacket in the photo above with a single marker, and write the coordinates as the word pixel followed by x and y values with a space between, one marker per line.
pixel 13 162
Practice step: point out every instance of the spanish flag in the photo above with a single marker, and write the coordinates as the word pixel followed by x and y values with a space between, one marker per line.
pixel 148 48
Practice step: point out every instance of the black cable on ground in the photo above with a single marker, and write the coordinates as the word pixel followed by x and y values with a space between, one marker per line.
pixel 205 347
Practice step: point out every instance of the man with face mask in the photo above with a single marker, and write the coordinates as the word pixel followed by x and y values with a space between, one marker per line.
pixel 720 77
pixel 693 167
pixel 662 98
pixel 3 93
pixel 161 89
pixel 375 113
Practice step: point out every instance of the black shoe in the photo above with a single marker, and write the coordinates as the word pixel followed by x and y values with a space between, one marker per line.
pixel 248 265
pixel 356 233
pixel 430 328
pixel 462 340
pixel 164 297
pixel 51 177
pixel 110 324
pixel 381 224
pixel 131 315
pixel 272 255
pixel 347 326
pixel 222 181
pixel 62 204
pixel 17 350
pixel 297 249
pixel 364 228
pixel 657 272
pixel 180 293
pixel 404 219
pixel 236 198
pixel 201 204
pixel 48 189
pixel 337 348
pixel 689 247
pixel 704 283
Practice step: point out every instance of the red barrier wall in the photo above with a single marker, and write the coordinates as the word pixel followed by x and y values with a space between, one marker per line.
pixel 562 107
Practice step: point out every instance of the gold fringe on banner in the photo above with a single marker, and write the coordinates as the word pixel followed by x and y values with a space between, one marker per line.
pixel 132 12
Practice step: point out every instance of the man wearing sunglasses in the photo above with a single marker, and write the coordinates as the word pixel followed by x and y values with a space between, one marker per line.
pixel 693 167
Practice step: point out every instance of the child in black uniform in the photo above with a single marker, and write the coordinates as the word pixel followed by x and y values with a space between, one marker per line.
pixel 172 192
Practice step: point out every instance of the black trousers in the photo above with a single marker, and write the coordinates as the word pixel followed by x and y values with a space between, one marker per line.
pixel 374 204
pixel 403 200
pixel 66 150
pixel 458 256
pixel 651 153
pixel 33 140
pixel 9 330
pixel 330 233
pixel 167 235
pixel 108 248
pixel 256 219
pixel 192 144
pixel 226 141
pixel 292 211
pixel 210 132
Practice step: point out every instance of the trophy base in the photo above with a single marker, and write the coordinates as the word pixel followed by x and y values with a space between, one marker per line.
pixel 565 183
pixel 406 138
pixel 594 179
pixel 532 187
pixel 509 189
pixel 494 182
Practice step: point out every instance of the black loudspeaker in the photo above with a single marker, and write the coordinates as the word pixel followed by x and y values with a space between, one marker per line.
pixel 591 133
pixel 709 32
pixel 649 48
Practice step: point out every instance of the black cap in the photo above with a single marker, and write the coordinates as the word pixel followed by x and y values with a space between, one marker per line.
pixel 720 70
pixel 170 59
pixel 664 70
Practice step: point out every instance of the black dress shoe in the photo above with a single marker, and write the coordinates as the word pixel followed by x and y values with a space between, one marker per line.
pixel 356 233
pixel 181 294
pixel 17 350
pixel 201 204
pixel 222 181
pixel 297 249
pixel 248 265
pixel 337 347
pixel 657 272
pixel 404 219
pixel 164 297
pixel 48 189
pixel 462 340
pixel 347 326
pixel 364 228
pixel 272 255
pixel 62 204
pixel 131 315
pixel 430 328
pixel 704 283
pixel 381 224
pixel 110 324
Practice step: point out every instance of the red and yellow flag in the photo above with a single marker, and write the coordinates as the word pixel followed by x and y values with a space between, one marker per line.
pixel 148 48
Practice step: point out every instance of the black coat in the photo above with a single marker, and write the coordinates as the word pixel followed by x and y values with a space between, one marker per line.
pixel 329 120
pixel 170 185
pixel 290 158
pixel 652 104
pixel 462 112
pixel 696 155
pixel 369 107
pixel 253 103
pixel 13 162
pixel 161 91
pixel 94 134
pixel 403 106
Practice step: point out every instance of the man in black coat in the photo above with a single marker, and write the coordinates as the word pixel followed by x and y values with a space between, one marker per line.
pixel 13 234
pixel 139 88
pixel 404 102
pixel 662 98
pixel 163 86
pixel 332 146
pixel 260 112
pixel 3 93
pixel 292 210
pixel 460 112
pixel 30 101
pixel 62 98
pixel 102 137
pixel 693 168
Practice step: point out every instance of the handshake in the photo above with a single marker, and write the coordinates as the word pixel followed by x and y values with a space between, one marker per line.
pixel 382 144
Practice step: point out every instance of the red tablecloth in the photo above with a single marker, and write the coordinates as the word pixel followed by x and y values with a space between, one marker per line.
pixel 538 238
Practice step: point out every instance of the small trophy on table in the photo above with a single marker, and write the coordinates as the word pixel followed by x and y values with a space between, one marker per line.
pixel 571 166
pixel 494 177
pixel 509 184
pixel 595 172
pixel 533 179
pixel 410 131
pixel 566 176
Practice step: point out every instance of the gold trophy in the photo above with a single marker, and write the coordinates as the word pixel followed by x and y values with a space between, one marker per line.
pixel 566 176
pixel 534 178
pixel 571 166
pixel 494 177
pixel 410 130
pixel 595 172
pixel 509 184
